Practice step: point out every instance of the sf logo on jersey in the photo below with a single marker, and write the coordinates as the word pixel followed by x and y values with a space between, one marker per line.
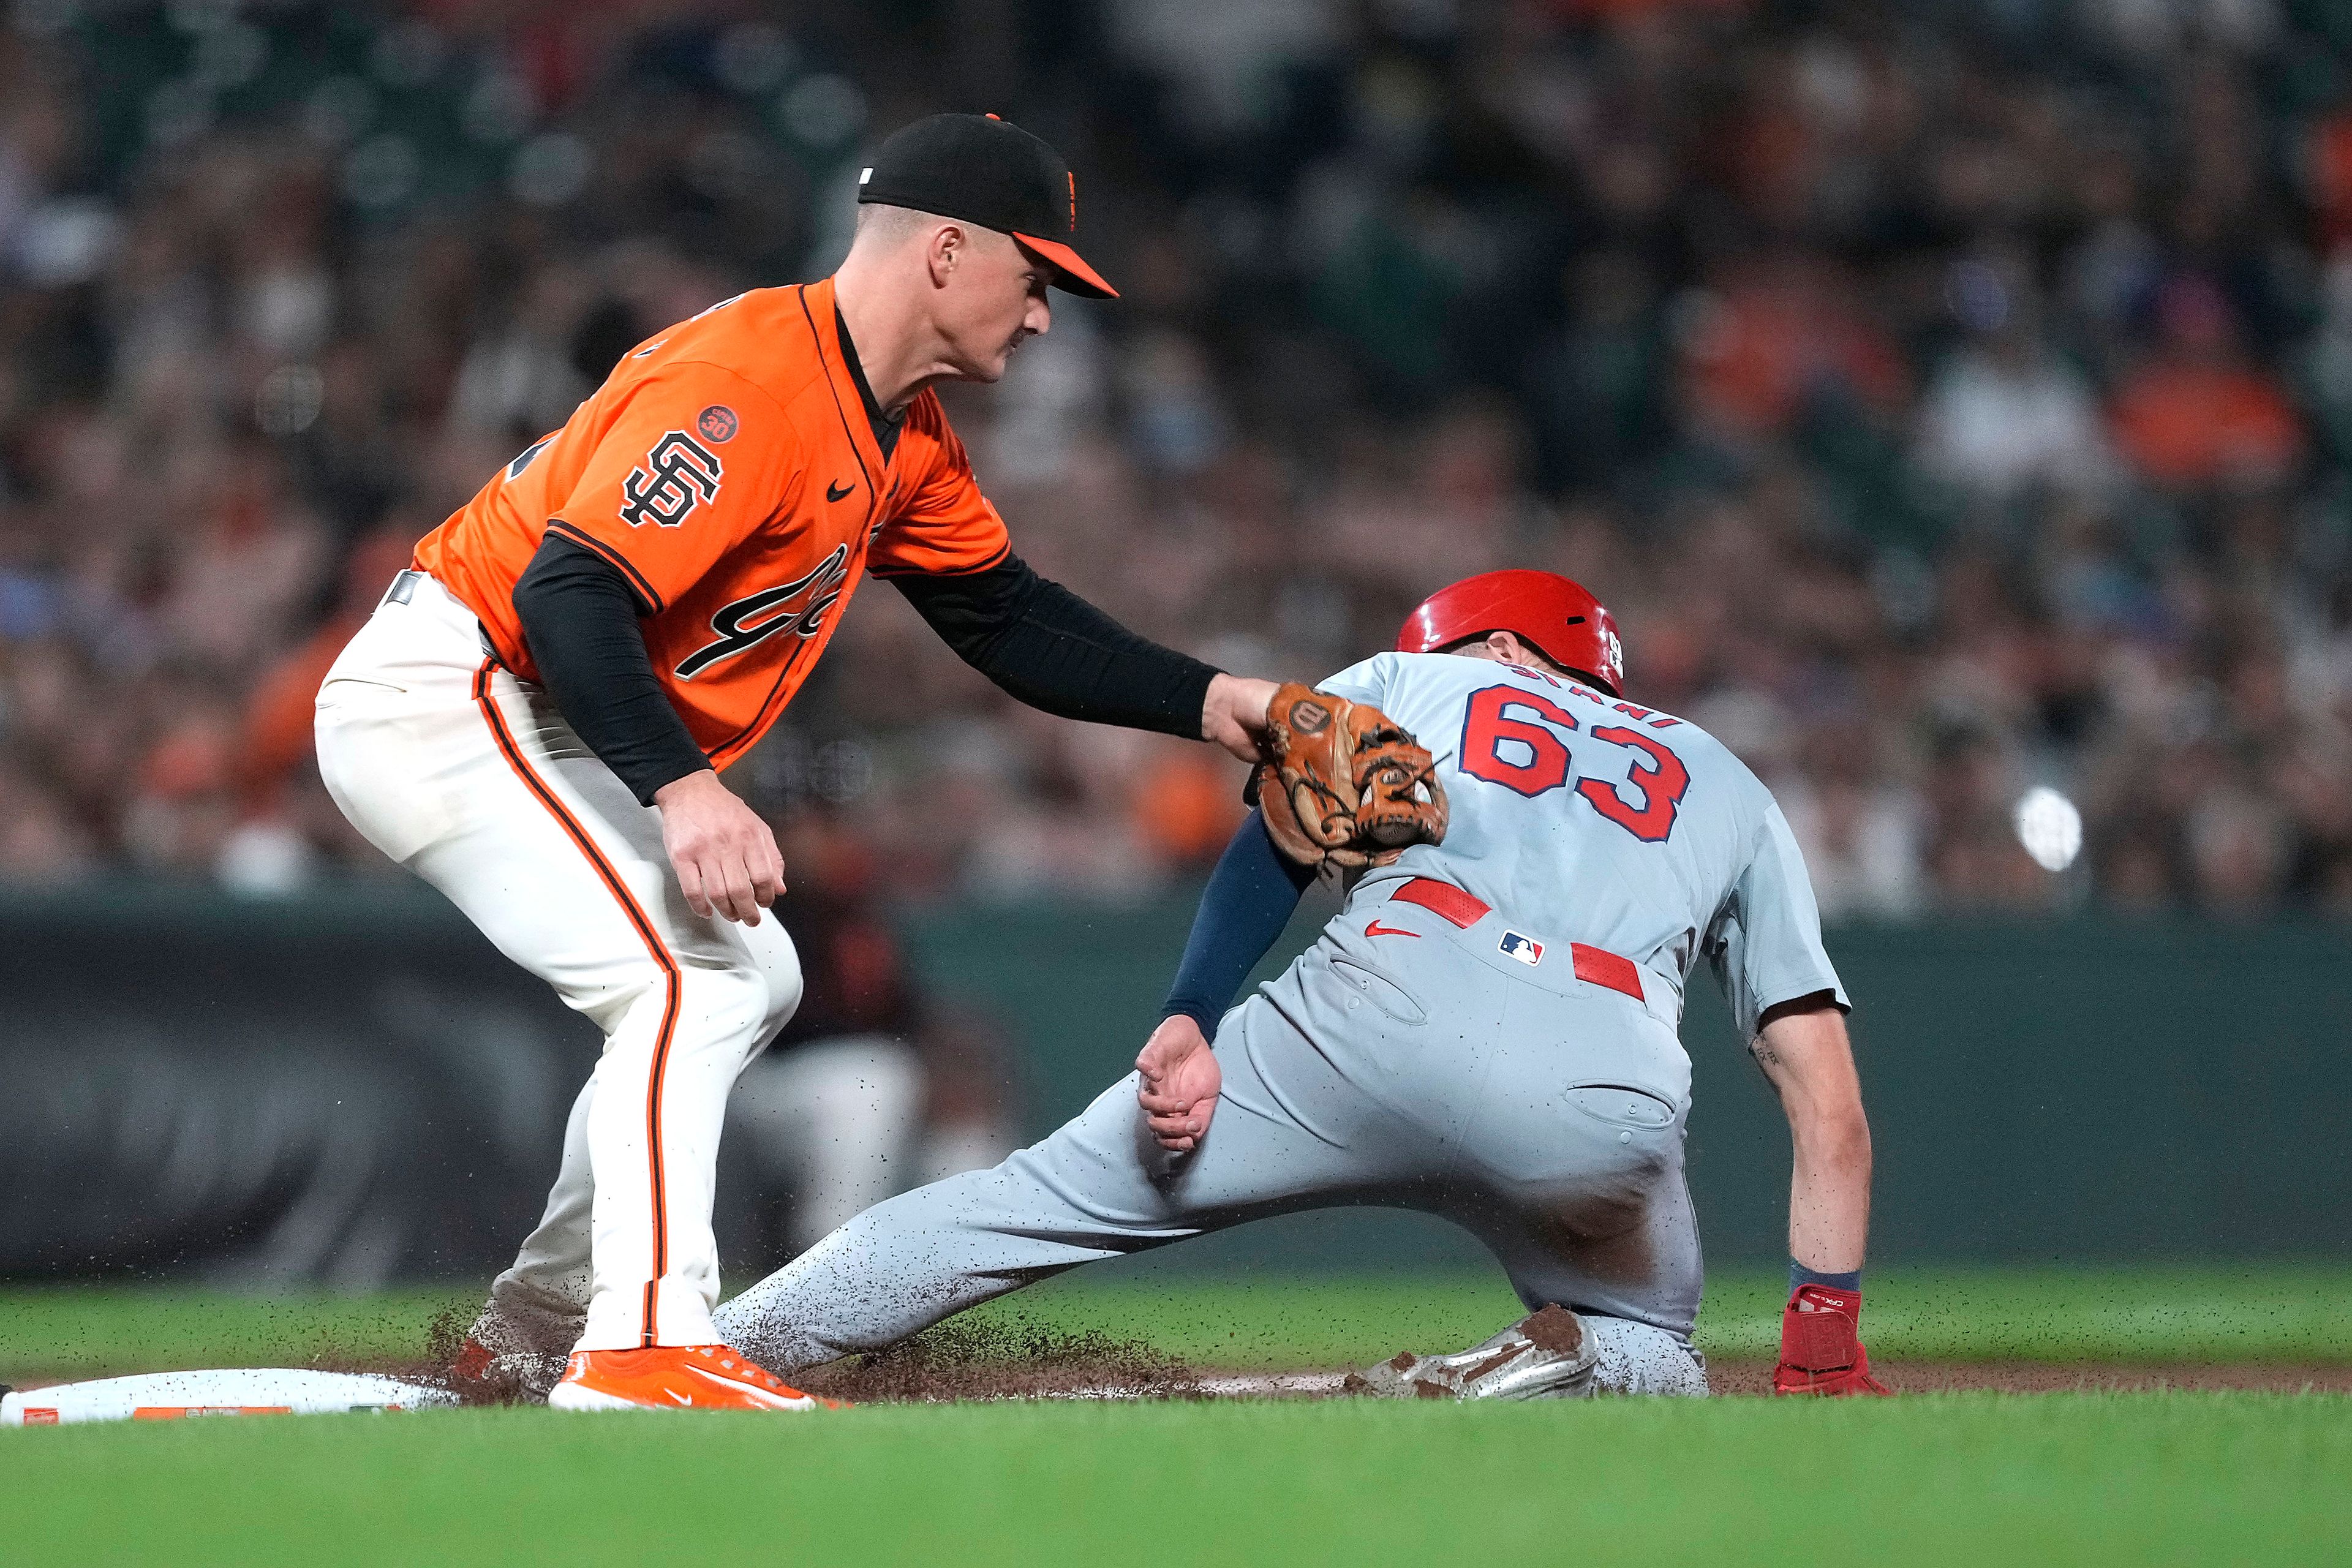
pixel 678 475
pixel 815 593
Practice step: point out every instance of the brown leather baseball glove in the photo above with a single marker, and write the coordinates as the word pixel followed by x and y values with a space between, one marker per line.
pixel 1345 783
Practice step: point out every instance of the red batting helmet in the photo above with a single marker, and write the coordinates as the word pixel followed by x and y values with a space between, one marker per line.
pixel 1543 609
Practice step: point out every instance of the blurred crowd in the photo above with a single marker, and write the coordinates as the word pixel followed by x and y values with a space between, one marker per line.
pixel 1953 400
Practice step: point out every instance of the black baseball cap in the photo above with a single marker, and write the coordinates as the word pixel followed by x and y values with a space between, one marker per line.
pixel 987 170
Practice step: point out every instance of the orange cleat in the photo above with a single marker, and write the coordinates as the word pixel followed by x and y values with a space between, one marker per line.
pixel 675 1377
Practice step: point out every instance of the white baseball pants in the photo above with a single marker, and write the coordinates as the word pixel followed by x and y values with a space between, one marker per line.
pixel 470 778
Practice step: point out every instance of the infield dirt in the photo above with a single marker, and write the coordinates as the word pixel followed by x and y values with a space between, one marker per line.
pixel 2275 1328
pixel 981 1361
pixel 984 1360
pixel 1116 1372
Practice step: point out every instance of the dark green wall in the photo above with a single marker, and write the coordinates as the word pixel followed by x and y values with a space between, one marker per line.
pixel 2038 1091
pixel 2043 1092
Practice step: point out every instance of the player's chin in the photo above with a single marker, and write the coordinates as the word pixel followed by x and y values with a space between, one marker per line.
pixel 984 367
pixel 1005 355
pixel 981 371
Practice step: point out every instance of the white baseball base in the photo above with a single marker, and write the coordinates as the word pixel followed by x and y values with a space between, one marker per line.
pixel 234 1391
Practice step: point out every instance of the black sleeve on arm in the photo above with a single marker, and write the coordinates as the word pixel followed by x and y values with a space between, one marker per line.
pixel 1248 900
pixel 1055 652
pixel 579 618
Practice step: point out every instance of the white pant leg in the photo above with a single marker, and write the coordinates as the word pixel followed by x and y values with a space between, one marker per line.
pixel 460 771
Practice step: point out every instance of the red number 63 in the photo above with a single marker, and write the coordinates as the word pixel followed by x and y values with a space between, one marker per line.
pixel 1661 783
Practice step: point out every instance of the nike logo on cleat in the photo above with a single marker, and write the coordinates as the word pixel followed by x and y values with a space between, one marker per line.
pixel 1376 928
pixel 837 492
pixel 756 1393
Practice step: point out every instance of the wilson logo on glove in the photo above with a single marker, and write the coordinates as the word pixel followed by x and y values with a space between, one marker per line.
pixel 1345 783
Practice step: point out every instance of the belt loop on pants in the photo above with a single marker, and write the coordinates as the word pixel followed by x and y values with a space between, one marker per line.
pixel 1593 965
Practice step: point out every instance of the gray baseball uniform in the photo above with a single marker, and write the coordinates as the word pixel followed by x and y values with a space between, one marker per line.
pixel 1487 1031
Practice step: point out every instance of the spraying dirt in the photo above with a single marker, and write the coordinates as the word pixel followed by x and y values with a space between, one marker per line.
pixel 1013 1358
pixel 1005 1360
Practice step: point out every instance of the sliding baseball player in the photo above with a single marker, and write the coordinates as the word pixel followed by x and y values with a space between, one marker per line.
pixel 1487 1031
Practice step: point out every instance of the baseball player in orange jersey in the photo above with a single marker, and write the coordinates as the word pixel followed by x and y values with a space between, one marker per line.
pixel 534 718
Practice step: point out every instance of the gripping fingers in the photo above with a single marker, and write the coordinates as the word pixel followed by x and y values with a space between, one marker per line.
pixel 1175 1129
pixel 1169 1116
pixel 737 903
pixel 689 881
pixel 1180 1134
pixel 767 869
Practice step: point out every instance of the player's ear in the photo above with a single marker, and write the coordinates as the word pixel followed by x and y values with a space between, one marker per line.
pixel 946 252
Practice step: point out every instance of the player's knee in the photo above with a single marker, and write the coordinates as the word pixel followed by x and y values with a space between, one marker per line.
pixel 770 954
pixel 731 1005
pixel 782 978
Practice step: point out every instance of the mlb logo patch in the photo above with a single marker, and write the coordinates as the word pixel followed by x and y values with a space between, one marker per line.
pixel 1526 949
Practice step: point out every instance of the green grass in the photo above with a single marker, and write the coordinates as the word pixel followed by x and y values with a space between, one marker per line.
pixel 59 1333
pixel 2171 1479
pixel 2267 1312
pixel 2073 1478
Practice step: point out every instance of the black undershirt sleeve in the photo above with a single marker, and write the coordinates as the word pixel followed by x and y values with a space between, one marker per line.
pixel 579 618
pixel 1055 652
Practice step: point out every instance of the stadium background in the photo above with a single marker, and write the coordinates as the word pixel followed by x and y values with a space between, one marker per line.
pixel 1952 400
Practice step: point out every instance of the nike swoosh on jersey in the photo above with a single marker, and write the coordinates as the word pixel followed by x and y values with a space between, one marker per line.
pixel 837 492
pixel 1376 928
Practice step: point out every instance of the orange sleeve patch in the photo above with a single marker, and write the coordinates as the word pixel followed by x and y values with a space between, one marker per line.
pixel 943 525
pixel 695 463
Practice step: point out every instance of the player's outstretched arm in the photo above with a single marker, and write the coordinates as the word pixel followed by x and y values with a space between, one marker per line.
pixel 1803 1050
pixel 1053 650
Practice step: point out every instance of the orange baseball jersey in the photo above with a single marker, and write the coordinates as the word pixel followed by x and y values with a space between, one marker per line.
pixel 728 469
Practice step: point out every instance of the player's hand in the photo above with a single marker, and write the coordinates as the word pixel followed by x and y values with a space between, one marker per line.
pixel 724 854
pixel 1233 715
pixel 1820 1345
pixel 1181 1084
